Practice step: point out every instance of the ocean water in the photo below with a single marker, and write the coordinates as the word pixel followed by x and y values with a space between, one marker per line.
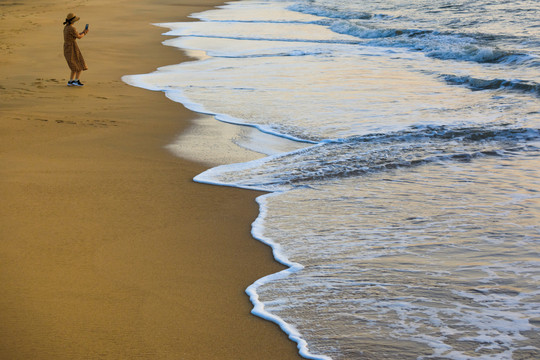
pixel 410 216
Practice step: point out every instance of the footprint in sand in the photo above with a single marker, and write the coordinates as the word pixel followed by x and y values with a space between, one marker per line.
pixel 66 122
pixel 39 84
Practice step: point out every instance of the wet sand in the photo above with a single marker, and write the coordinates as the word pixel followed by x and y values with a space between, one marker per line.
pixel 108 249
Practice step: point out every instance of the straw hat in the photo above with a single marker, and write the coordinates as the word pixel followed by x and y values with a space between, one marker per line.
pixel 71 18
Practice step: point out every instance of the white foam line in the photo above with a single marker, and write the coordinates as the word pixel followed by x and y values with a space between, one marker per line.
pixel 206 176
pixel 251 291
pixel 231 120
pixel 209 176
pixel 177 96
pixel 258 306
pixel 257 227
pixel 291 40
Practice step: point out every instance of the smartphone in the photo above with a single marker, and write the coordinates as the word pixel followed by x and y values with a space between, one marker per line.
pixel 86 28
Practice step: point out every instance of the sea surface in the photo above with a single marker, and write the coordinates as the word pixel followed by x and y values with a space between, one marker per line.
pixel 409 216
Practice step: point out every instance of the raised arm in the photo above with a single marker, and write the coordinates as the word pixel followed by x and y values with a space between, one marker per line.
pixel 81 35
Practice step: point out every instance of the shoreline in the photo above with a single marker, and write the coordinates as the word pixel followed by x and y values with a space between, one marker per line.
pixel 109 249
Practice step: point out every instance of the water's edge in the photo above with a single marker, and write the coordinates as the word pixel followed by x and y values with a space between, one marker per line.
pixel 245 151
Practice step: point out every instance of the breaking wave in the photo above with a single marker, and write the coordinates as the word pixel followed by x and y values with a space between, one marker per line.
pixel 529 87
pixel 355 156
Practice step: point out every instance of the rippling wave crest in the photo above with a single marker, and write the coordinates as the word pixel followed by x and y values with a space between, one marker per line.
pixel 359 155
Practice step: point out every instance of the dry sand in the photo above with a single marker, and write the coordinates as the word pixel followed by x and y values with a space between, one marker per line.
pixel 108 250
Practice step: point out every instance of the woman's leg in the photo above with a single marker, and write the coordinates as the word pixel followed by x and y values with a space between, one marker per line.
pixel 72 76
pixel 77 74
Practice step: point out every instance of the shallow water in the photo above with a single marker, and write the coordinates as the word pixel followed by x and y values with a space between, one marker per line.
pixel 409 217
pixel 439 260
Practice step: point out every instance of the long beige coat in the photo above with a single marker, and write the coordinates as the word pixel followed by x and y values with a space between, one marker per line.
pixel 72 53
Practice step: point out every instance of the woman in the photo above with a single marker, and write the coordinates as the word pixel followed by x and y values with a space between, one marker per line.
pixel 72 53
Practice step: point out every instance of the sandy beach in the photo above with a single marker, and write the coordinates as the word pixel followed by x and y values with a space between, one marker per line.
pixel 108 249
